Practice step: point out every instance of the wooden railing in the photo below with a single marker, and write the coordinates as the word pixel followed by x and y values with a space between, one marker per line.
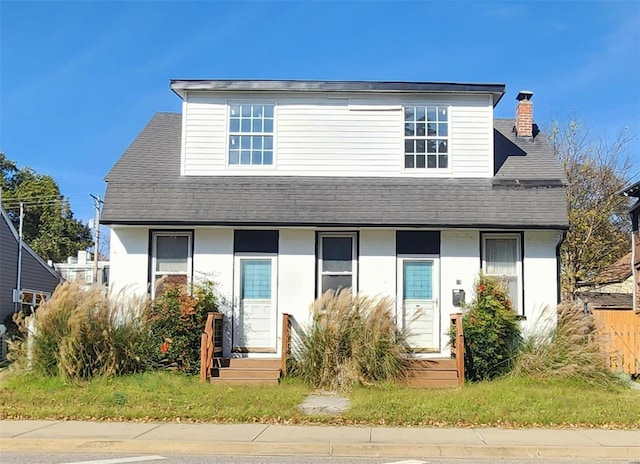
pixel 210 344
pixel 457 348
pixel 286 342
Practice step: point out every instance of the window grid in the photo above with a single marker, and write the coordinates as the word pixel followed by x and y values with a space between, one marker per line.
pixel 251 134
pixel 178 270
pixel 426 137
pixel 329 275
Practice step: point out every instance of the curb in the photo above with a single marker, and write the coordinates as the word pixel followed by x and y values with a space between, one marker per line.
pixel 383 450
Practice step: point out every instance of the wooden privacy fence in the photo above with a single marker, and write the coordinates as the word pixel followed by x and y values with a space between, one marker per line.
pixel 621 334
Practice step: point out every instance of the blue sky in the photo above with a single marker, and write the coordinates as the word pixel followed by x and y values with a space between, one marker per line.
pixel 78 80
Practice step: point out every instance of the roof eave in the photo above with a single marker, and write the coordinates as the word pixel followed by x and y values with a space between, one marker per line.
pixel 181 86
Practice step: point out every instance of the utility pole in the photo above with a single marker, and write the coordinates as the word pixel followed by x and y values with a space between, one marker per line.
pixel 97 202
pixel 17 299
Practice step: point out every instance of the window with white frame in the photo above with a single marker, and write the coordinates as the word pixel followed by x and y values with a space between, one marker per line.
pixel 251 134
pixel 171 260
pixel 426 137
pixel 502 260
pixel 337 261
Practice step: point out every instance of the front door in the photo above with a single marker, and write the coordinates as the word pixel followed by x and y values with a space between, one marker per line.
pixel 254 327
pixel 418 287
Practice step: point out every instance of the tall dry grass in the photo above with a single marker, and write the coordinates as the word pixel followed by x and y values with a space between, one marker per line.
pixel 572 350
pixel 350 341
pixel 79 334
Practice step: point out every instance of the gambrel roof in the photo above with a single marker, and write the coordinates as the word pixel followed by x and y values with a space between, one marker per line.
pixel 145 187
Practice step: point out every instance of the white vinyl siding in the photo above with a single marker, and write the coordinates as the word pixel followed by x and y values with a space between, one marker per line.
pixel 320 135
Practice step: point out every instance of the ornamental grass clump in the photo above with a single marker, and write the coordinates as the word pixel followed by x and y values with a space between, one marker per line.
pixel 176 321
pixel 491 331
pixel 80 334
pixel 570 349
pixel 352 340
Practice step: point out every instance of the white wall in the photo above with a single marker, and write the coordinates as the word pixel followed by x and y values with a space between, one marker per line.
pixel 296 276
pixel 459 261
pixel 377 265
pixel 540 281
pixel 327 136
pixel 129 248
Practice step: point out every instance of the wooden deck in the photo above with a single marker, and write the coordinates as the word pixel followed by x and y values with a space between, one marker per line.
pixel 422 373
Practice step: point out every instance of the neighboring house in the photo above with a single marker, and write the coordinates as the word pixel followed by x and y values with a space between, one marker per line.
pixel 81 270
pixel 613 287
pixel 633 191
pixel 37 279
pixel 282 190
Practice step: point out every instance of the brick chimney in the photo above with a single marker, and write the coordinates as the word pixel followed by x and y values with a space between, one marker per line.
pixel 524 115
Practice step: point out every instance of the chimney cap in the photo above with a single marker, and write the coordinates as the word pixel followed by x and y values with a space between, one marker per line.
pixel 524 95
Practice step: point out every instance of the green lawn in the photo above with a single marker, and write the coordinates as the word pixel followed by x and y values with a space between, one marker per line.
pixel 165 396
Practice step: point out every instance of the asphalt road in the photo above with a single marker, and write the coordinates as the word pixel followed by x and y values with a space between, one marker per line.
pixel 76 458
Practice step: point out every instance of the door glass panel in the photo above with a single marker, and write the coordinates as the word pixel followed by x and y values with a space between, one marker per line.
pixel 172 253
pixel 335 282
pixel 255 280
pixel 418 280
pixel 337 254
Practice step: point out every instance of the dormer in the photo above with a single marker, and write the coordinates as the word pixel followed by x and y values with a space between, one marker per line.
pixel 324 128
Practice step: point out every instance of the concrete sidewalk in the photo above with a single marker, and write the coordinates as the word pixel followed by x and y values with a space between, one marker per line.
pixel 282 440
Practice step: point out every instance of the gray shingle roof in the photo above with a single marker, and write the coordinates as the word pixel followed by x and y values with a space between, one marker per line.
pixel 145 187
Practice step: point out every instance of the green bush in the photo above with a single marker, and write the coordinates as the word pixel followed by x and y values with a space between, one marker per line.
pixel 176 321
pixel 80 334
pixel 350 341
pixel 570 349
pixel 491 331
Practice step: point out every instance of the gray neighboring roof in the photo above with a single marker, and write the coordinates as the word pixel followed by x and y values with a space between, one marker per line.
pixel 632 190
pixel 36 274
pixel 247 85
pixel 145 187
pixel 597 300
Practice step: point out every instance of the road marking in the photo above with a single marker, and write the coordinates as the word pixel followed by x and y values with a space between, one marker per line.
pixel 411 461
pixel 121 460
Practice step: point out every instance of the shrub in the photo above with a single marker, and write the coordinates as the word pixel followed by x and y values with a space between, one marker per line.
pixel 351 340
pixel 491 331
pixel 176 321
pixel 571 349
pixel 79 334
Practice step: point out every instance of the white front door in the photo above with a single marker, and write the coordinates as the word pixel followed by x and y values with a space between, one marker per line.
pixel 255 318
pixel 418 286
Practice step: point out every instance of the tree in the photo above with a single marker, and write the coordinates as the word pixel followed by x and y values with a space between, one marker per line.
pixel 599 226
pixel 48 225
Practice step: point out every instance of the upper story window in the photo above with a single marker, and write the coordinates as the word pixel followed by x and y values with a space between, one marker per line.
pixel 251 134
pixel 426 137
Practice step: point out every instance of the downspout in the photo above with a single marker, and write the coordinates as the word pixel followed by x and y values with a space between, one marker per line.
pixel 563 236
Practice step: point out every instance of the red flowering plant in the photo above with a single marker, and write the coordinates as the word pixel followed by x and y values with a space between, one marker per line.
pixel 176 321
pixel 491 331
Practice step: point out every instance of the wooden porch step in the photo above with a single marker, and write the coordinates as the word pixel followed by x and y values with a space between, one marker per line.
pixel 244 381
pixel 432 374
pixel 245 373
pixel 250 363
pixel 433 363
pixel 431 383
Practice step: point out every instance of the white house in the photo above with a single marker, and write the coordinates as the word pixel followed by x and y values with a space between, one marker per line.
pixel 281 190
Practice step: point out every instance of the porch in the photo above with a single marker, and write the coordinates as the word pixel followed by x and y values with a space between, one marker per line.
pixel 424 373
